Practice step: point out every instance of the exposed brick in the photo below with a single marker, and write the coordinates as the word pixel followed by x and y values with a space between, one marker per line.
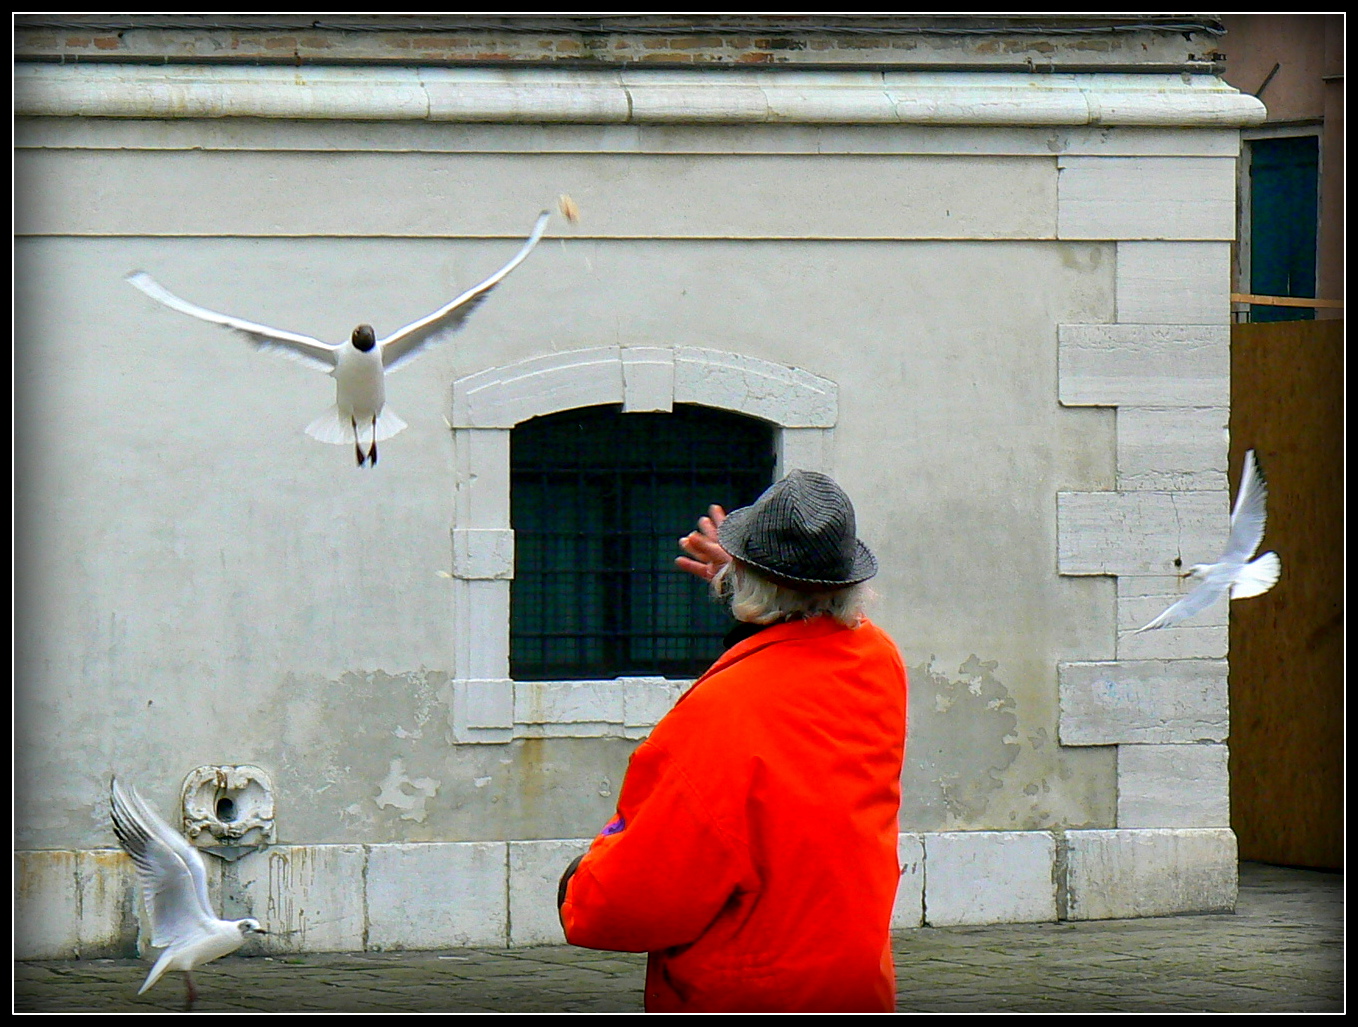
pixel 696 42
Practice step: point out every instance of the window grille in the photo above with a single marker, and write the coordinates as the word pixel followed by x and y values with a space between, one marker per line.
pixel 599 500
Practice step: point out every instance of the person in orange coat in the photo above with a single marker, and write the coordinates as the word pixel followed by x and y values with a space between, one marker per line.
pixel 753 854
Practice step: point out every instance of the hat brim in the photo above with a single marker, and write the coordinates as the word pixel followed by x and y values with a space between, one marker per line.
pixel 733 533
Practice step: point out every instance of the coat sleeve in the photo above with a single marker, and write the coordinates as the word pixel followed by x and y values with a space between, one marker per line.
pixel 663 868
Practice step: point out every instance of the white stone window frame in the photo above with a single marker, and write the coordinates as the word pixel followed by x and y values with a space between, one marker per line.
pixel 488 705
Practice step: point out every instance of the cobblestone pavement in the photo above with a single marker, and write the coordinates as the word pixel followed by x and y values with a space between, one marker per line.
pixel 1281 951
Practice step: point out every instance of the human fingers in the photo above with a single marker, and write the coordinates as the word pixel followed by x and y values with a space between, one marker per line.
pixel 704 546
pixel 697 568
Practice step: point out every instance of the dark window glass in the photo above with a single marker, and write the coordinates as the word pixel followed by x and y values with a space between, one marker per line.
pixel 599 500
pixel 1283 211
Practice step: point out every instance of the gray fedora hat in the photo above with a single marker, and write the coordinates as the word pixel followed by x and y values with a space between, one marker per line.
pixel 802 531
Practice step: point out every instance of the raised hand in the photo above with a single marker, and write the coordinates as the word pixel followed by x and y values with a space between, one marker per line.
pixel 705 554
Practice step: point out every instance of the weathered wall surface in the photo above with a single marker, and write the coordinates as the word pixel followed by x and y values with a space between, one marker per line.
pixel 210 586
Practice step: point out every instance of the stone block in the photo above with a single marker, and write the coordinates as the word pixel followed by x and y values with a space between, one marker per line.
pixel 310 898
pixel 1177 449
pixel 109 903
pixel 786 396
pixel 1173 786
pixel 805 449
pixel 502 397
pixel 485 94
pixel 535 868
pixel 1146 365
pixel 569 702
pixel 647 379
pixel 482 710
pixel 989 877
pixel 437 895
pixel 480 629
pixel 1142 701
pixel 1146 198
pixel 1141 599
pixel 481 486
pixel 1176 283
pixel 46 905
pixel 1151 872
pixel 483 553
pixel 1137 533
pixel 908 911
pixel 645 701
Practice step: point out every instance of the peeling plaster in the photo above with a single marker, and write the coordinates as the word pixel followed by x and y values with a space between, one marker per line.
pixel 392 792
pixel 963 736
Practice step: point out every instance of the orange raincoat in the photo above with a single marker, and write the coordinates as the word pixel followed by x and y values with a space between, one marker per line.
pixel 754 850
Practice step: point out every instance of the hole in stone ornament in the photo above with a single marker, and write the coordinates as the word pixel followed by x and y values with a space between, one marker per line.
pixel 229 810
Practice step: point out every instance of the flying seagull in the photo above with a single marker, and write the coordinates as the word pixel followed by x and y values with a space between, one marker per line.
pixel 1233 572
pixel 174 888
pixel 360 366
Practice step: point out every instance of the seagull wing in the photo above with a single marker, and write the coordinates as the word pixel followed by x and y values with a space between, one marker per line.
pixel 409 341
pixel 302 348
pixel 173 880
pixel 1247 519
pixel 1196 601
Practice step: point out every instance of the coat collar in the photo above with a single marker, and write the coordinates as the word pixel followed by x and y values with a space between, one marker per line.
pixel 786 631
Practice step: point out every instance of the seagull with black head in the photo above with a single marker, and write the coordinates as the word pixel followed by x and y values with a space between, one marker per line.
pixel 359 366
pixel 174 889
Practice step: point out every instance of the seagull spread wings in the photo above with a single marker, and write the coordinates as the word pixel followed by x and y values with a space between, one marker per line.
pixel 302 348
pixel 1233 572
pixel 173 880
pixel 405 344
pixel 397 349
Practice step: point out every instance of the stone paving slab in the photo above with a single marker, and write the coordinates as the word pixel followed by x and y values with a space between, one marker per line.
pixel 1281 951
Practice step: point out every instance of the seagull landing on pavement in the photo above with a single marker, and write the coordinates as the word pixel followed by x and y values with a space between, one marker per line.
pixel 359 366
pixel 1233 572
pixel 174 888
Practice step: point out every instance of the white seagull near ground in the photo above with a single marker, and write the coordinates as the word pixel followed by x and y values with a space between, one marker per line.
pixel 174 888
pixel 359 366
pixel 1233 572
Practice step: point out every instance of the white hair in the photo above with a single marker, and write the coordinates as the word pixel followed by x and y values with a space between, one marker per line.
pixel 757 600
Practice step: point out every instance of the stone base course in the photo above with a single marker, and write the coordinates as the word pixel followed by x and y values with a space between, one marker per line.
pixel 417 896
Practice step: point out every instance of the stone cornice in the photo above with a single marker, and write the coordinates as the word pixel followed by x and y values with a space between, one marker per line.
pixel 634 96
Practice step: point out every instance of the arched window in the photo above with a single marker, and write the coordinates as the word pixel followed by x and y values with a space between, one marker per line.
pixel 598 500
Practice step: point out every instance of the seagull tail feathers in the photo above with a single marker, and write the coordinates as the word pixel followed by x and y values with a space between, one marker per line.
pixel 334 428
pixel 388 424
pixel 1257 577
pixel 157 971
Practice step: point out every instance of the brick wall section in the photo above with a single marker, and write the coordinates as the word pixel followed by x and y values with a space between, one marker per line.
pixel 659 40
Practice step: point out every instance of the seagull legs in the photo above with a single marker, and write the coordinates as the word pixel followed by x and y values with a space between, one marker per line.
pixel 371 455
pixel 192 994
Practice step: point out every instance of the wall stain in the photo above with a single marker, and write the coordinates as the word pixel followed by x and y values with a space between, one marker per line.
pixel 963 736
